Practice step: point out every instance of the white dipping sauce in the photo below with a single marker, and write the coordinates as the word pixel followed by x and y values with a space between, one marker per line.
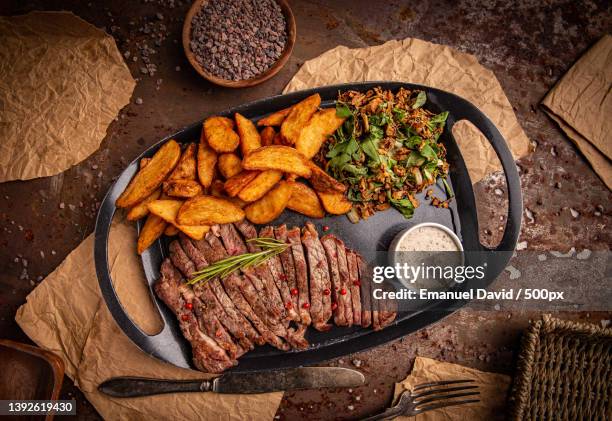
pixel 427 238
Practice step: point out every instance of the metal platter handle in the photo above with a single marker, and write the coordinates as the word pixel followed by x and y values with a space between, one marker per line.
pixel 460 109
pixel 168 344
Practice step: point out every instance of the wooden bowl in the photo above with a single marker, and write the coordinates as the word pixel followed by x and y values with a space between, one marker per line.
pixel 291 33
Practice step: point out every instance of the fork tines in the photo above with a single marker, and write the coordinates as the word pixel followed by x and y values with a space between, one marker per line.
pixel 434 395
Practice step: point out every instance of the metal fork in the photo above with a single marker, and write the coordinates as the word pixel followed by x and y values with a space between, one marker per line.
pixel 429 396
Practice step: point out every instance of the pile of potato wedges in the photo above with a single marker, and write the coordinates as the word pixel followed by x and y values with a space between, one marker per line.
pixel 237 171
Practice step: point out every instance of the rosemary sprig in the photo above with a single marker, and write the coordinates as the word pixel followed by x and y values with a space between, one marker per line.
pixel 269 247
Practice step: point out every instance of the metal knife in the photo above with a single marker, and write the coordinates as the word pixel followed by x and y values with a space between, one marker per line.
pixel 241 383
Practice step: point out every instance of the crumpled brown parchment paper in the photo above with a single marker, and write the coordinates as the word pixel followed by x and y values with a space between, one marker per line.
pixel 67 315
pixel 493 390
pixel 438 66
pixel 581 104
pixel 62 82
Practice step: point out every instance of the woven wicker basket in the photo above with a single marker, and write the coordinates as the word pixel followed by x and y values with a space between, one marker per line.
pixel 564 372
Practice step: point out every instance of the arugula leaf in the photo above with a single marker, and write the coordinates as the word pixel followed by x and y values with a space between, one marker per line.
pixel 370 147
pixel 343 110
pixel 439 118
pixel 376 132
pixel 413 142
pixel 415 159
pixel 429 153
pixel 381 119
pixel 405 206
pixel 420 100
pixel 399 114
pixel 355 170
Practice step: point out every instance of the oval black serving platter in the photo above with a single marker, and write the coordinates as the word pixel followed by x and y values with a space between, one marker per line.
pixel 366 237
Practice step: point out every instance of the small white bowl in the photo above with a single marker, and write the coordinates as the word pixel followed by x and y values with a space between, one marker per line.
pixel 400 236
pixel 393 252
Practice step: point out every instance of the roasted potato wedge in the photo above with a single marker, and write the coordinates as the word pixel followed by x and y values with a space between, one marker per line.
pixel 239 181
pixel 148 179
pixel 208 210
pixel 153 228
pixel 298 117
pixel 186 167
pixel 322 125
pixel 275 119
pixel 207 159
pixel 220 135
pixel 168 210
pixel 171 231
pixel 282 158
pixel 217 190
pixel 269 207
pixel 249 136
pixel 335 203
pixel 260 185
pixel 304 200
pixel 144 162
pixel 182 188
pixel 267 136
pixel 323 182
pixel 229 165
pixel 141 210
pixel 278 139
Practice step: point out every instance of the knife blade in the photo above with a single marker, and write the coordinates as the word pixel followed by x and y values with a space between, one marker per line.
pixel 238 383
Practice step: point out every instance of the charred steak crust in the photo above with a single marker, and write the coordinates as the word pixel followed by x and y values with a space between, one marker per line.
pixel 366 293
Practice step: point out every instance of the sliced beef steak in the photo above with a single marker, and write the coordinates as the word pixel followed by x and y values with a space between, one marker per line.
pixel 301 274
pixel 331 251
pixel 206 308
pixel 345 291
pixel 320 303
pixel 233 321
pixel 279 277
pixel 207 354
pixel 354 284
pixel 262 272
pixel 286 258
pixel 269 327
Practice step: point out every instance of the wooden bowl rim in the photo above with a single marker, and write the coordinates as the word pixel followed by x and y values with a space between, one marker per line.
pixel 279 64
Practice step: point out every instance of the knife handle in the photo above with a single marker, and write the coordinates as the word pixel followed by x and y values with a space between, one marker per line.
pixel 130 387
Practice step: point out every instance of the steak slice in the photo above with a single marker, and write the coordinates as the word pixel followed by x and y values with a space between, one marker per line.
pixel 234 321
pixel 279 277
pixel 262 271
pixel 286 259
pixel 331 250
pixel 207 311
pixel 366 293
pixel 250 304
pixel 354 284
pixel 207 354
pixel 301 274
pixel 345 291
pixel 320 304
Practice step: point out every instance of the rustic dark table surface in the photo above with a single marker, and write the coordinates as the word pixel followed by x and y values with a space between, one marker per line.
pixel 528 44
